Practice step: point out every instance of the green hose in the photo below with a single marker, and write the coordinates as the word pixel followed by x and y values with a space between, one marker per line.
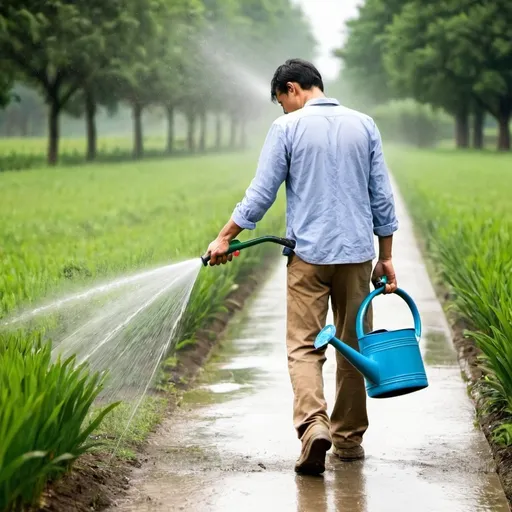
pixel 236 245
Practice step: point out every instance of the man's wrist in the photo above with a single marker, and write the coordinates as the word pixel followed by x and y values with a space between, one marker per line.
pixel 229 232
pixel 385 248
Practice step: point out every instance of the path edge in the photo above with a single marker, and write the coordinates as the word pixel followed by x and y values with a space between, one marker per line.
pixel 467 353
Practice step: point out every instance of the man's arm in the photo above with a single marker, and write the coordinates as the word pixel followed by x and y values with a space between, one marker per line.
pixel 270 174
pixel 260 195
pixel 382 203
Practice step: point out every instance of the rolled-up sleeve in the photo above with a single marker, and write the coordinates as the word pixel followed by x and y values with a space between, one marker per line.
pixel 271 172
pixel 382 201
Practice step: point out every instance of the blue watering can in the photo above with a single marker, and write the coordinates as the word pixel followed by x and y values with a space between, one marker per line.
pixel 390 361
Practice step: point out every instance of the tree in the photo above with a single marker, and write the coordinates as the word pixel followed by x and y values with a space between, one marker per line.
pixel 151 70
pixel 59 45
pixel 6 83
pixel 363 52
pixel 98 91
pixel 237 43
pixel 413 72
pixel 263 35
pixel 457 54
pixel 474 41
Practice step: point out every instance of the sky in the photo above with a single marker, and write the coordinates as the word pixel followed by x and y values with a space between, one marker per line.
pixel 328 18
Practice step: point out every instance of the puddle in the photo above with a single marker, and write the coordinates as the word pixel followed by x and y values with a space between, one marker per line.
pixel 225 387
pixel 244 363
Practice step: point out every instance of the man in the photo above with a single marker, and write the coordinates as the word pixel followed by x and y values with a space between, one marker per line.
pixel 338 197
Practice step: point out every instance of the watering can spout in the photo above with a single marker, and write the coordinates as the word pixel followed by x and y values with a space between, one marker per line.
pixel 390 361
pixel 369 368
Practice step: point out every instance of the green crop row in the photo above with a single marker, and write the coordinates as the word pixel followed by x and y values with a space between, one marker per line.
pixel 462 205
pixel 21 153
pixel 44 408
pixel 63 229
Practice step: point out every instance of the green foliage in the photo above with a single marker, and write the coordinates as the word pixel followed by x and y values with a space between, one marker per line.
pixel 149 75
pixel 503 434
pixel 59 46
pixel 455 54
pixel 103 221
pixel 149 414
pixel 462 205
pixel 44 420
pixel 363 52
pixel 407 121
pixel 110 220
pixel 193 56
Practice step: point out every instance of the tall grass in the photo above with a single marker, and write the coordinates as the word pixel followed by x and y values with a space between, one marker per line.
pixel 462 204
pixel 43 421
pixel 63 228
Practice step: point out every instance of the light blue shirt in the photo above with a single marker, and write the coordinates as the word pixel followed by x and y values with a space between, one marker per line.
pixel 338 191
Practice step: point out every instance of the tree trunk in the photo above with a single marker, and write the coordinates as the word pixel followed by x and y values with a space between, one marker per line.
pixel 90 120
pixel 170 128
pixel 218 132
pixel 232 136
pixel 191 119
pixel 138 142
pixel 202 131
pixel 24 124
pixel 504 132
pixel 462 128
pixel 53 132
pixel 478 127
pixel 243 133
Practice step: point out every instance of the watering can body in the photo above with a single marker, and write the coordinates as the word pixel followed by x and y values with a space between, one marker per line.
pixel 390 361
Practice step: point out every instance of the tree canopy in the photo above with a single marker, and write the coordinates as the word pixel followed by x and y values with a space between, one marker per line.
pixel 455 54
pixel 191 55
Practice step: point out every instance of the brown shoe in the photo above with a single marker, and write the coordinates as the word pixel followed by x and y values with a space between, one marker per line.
pixel 314 447
pixel 355 453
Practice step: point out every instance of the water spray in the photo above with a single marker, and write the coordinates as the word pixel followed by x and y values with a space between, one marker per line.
pixel 126 326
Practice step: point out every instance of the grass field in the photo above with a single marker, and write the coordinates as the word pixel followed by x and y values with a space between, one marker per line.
pixel 36 146
pixel 65 224
pixel 21 153
pixel 65 227
pixel 461 203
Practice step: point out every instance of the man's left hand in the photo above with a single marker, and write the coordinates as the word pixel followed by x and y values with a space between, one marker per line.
pixel 385 268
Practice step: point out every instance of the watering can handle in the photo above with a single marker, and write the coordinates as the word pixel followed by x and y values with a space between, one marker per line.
pixel 378 291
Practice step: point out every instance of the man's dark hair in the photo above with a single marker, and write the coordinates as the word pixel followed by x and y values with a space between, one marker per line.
pixel 295 70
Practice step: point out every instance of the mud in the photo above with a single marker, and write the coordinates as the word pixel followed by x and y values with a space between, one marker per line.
pixel 231 445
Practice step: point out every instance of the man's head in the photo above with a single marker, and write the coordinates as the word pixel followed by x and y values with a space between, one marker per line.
pixel 294 83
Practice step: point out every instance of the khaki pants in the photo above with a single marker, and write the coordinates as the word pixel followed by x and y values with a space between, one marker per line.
pixel 309 290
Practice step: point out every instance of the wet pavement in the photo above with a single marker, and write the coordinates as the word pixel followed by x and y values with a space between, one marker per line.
pixel 232 447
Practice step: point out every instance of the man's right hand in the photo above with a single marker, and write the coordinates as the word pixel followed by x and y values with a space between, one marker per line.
pixel 385 268
pixel 217 251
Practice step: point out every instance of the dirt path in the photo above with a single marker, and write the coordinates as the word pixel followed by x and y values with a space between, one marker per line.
pixel 232 446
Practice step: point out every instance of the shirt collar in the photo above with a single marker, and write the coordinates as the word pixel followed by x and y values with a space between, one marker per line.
pixel 322 101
